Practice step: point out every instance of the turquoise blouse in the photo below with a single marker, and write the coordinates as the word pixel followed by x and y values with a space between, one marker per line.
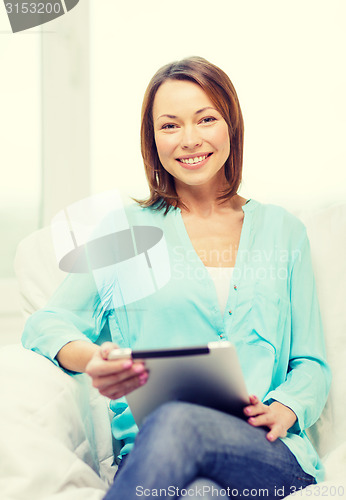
pixel 272 315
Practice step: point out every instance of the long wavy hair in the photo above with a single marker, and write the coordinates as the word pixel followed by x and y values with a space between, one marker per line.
pixel 220 90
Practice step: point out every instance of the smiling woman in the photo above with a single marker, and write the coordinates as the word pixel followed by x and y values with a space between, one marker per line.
pixel 192 143
pixel 192 137
pixel 188 104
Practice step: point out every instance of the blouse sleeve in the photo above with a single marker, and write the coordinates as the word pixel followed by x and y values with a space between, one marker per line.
pixel 306 387
pixel 75 312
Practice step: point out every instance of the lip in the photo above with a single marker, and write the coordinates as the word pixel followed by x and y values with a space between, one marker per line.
pixel 194 166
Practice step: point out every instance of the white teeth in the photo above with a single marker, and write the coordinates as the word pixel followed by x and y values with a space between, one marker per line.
pixel 197 159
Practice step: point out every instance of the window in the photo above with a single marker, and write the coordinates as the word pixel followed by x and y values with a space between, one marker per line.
pixel 20 132
pixel 20 186
pixel 44 127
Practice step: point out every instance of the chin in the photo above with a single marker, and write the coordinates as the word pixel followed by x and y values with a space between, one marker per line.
pixel 197 182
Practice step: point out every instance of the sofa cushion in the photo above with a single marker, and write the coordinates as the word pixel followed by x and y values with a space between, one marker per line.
pixel 327 234
pixel 55 430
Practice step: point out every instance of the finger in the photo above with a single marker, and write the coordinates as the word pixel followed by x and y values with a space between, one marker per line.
pixel 119 379
pixel 254 411
pixel 257 409
pixel 275 432
pixel 104 381
pixel 106 348
pixel 115 392
pixel 99 367
pixel 113 384
pixel 253 399
pixel 261 420
pixel 271 436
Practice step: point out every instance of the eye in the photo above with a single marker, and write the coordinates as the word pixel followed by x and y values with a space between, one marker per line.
pixel 168 126
pixel 208 119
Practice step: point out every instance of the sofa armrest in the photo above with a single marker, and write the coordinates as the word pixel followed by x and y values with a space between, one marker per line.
pixel 49 442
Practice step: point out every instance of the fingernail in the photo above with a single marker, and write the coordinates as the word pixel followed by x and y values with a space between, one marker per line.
pixel 138 368
pixel 143 378
pixel 270 437
pixel 247 411
pixel 251 419
pixel 127 364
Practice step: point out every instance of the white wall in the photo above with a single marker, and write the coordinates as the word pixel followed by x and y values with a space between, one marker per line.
pixel 286 60
pixel 20 134
pixel 20 159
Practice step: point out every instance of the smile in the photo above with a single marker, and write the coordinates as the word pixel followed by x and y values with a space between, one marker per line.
pixel 195 160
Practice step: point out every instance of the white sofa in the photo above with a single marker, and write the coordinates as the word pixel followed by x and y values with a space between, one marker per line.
pixel 55 437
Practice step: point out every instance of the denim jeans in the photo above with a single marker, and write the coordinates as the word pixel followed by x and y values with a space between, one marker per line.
pixel 200 488
pixel 180 443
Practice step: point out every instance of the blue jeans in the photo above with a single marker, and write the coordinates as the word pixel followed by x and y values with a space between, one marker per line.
pixel 200 487
pixel 180 443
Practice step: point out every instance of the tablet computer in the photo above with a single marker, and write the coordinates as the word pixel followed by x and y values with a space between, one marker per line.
pixel 207 375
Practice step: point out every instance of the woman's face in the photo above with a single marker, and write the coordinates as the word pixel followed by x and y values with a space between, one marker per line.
pixel 191 136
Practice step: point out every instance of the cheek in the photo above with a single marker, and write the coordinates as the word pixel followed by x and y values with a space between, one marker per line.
pixel 218 138
pixel 221 139
pixel 165 146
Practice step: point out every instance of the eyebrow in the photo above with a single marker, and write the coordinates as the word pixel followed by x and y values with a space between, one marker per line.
pixel 173 117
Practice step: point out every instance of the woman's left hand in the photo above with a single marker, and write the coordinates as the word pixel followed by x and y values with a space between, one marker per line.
pixel 278 417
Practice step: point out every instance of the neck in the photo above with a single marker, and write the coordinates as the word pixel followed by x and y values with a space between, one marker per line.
pixel 202 200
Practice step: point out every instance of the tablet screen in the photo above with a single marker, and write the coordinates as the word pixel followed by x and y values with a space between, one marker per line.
pixel 208 375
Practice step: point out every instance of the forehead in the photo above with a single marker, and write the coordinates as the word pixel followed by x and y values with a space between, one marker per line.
pixel 177 97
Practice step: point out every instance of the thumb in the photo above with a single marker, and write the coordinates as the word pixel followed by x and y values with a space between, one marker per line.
pixel 106 348
pixel 275 432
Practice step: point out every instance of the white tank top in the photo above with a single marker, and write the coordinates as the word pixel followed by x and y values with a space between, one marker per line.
pixel 222 279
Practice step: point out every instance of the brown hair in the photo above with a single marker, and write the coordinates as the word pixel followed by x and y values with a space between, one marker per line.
pixel 219 88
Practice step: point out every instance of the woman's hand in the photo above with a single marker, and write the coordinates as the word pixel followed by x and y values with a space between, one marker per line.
pixel 115 378
pixel 278 417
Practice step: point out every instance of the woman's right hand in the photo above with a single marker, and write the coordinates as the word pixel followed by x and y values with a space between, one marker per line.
pixel 115 378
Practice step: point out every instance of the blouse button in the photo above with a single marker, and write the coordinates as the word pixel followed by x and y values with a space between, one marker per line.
pixel 229 312
pixel 221 336
pixel 235 287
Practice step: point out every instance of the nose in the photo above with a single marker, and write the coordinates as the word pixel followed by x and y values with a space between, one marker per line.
pixel 191 138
